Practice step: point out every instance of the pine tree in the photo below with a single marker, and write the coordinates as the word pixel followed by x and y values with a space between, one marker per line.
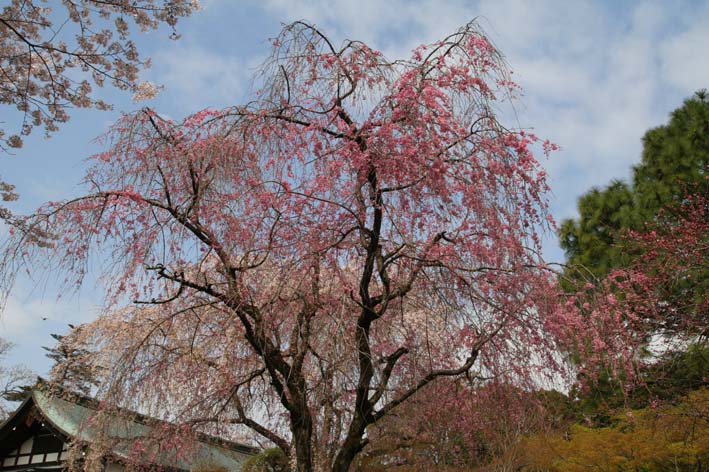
pixel 72 367
pixel 674 164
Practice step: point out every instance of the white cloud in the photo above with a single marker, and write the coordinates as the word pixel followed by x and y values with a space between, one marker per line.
pixel 200 77
pixel 30 317
pixel 684 61
pixel 19 319
pixel 29 320
pixel 394 27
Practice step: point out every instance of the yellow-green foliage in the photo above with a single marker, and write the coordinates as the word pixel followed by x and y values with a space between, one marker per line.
pixel 671 437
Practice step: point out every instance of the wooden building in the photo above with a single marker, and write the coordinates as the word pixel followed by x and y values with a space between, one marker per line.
pixel 36 438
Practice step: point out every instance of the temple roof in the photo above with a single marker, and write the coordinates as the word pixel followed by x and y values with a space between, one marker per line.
pixel 74 416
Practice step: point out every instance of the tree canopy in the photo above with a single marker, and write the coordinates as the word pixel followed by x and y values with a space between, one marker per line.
pixel 43 47
pixel 655 438
pixel 53 57
pixel 303 265
pixel 638 252
pixel 674 163
pixel 72 368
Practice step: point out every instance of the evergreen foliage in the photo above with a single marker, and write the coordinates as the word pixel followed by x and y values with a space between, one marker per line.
pixel 72 367
pixel 674 164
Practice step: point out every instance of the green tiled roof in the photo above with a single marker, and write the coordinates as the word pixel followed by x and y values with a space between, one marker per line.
pixel 74 419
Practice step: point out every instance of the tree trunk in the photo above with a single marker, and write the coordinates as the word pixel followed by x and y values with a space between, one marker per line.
pixel 302 428
pixel 349 451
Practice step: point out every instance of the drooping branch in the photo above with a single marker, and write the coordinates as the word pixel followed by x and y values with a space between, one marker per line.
pixel 431 376
pixel 322 253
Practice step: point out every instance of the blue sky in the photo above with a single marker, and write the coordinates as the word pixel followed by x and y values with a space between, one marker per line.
pixel 596 75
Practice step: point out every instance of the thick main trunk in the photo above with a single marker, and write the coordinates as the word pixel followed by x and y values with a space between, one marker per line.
pixel 346 456
pixel 302 429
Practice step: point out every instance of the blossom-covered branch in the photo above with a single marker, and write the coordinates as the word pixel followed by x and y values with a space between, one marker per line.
pixel 361 229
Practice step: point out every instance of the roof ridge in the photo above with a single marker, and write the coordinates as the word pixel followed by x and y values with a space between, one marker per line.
pixel 63 393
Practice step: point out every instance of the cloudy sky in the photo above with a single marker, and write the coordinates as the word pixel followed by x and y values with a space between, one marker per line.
pixel 596 75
